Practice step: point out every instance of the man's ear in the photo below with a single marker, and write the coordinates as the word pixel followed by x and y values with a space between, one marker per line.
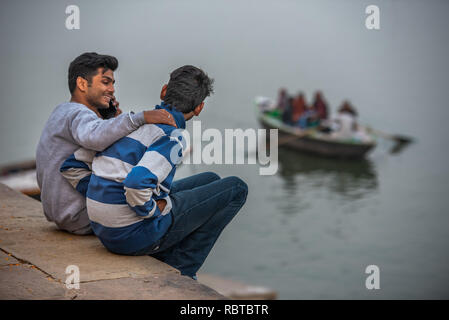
pixel 163 91
pixel 81 84
pixel 198 109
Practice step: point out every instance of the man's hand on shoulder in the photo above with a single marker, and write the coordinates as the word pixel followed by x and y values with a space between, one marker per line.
pixel 160 116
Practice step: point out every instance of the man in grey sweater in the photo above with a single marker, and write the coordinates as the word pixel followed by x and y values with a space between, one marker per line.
pixel 79 123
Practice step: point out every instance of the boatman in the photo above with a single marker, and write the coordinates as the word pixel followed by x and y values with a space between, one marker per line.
pixel 76 124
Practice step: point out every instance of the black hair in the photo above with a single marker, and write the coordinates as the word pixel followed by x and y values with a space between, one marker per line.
pixel 187 88
pixel 86 66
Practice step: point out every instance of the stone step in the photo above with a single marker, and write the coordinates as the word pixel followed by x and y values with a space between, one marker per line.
pixel 35 255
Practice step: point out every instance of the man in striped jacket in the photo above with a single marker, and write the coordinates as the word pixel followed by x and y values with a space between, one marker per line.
pixel 133 204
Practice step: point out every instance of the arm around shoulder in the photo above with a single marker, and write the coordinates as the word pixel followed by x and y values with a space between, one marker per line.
pixel 97 134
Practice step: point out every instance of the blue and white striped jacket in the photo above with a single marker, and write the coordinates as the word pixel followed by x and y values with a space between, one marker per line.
pixel 123 182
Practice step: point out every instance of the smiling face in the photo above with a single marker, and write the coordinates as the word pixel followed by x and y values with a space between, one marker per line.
pixel 100 89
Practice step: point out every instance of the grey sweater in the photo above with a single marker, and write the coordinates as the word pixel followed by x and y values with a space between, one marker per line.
pixel 71 126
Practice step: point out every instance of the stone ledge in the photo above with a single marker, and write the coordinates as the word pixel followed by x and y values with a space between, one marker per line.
pixel 34 256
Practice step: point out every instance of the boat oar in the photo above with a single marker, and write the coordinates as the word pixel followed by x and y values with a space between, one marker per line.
pixel 398 138
pixel 401 141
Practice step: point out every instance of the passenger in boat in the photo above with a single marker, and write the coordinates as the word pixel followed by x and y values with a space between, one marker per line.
pixel 345 125
pixel 346 121
pixel 309 119
pixel 320 106
pixel 347 108
pixel 282 99
pixel 287 113
pixel 299 107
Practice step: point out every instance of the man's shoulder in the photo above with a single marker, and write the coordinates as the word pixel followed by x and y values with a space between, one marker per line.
pixel 60 117
pixel 59 122
pixel 68 109
pixel 71 105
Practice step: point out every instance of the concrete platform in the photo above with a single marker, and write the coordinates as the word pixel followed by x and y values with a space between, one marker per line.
pixel 34 256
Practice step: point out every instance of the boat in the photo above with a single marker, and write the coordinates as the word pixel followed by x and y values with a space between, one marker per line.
pixel 311 141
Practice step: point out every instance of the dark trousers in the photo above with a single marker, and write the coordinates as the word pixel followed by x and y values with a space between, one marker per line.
pixel 203 205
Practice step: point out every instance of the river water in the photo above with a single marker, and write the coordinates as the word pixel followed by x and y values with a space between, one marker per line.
pixel 310 230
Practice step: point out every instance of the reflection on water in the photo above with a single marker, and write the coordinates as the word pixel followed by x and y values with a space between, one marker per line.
pixel 310 177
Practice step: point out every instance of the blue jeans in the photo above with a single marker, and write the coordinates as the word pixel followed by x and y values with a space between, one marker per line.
pixel 203 205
